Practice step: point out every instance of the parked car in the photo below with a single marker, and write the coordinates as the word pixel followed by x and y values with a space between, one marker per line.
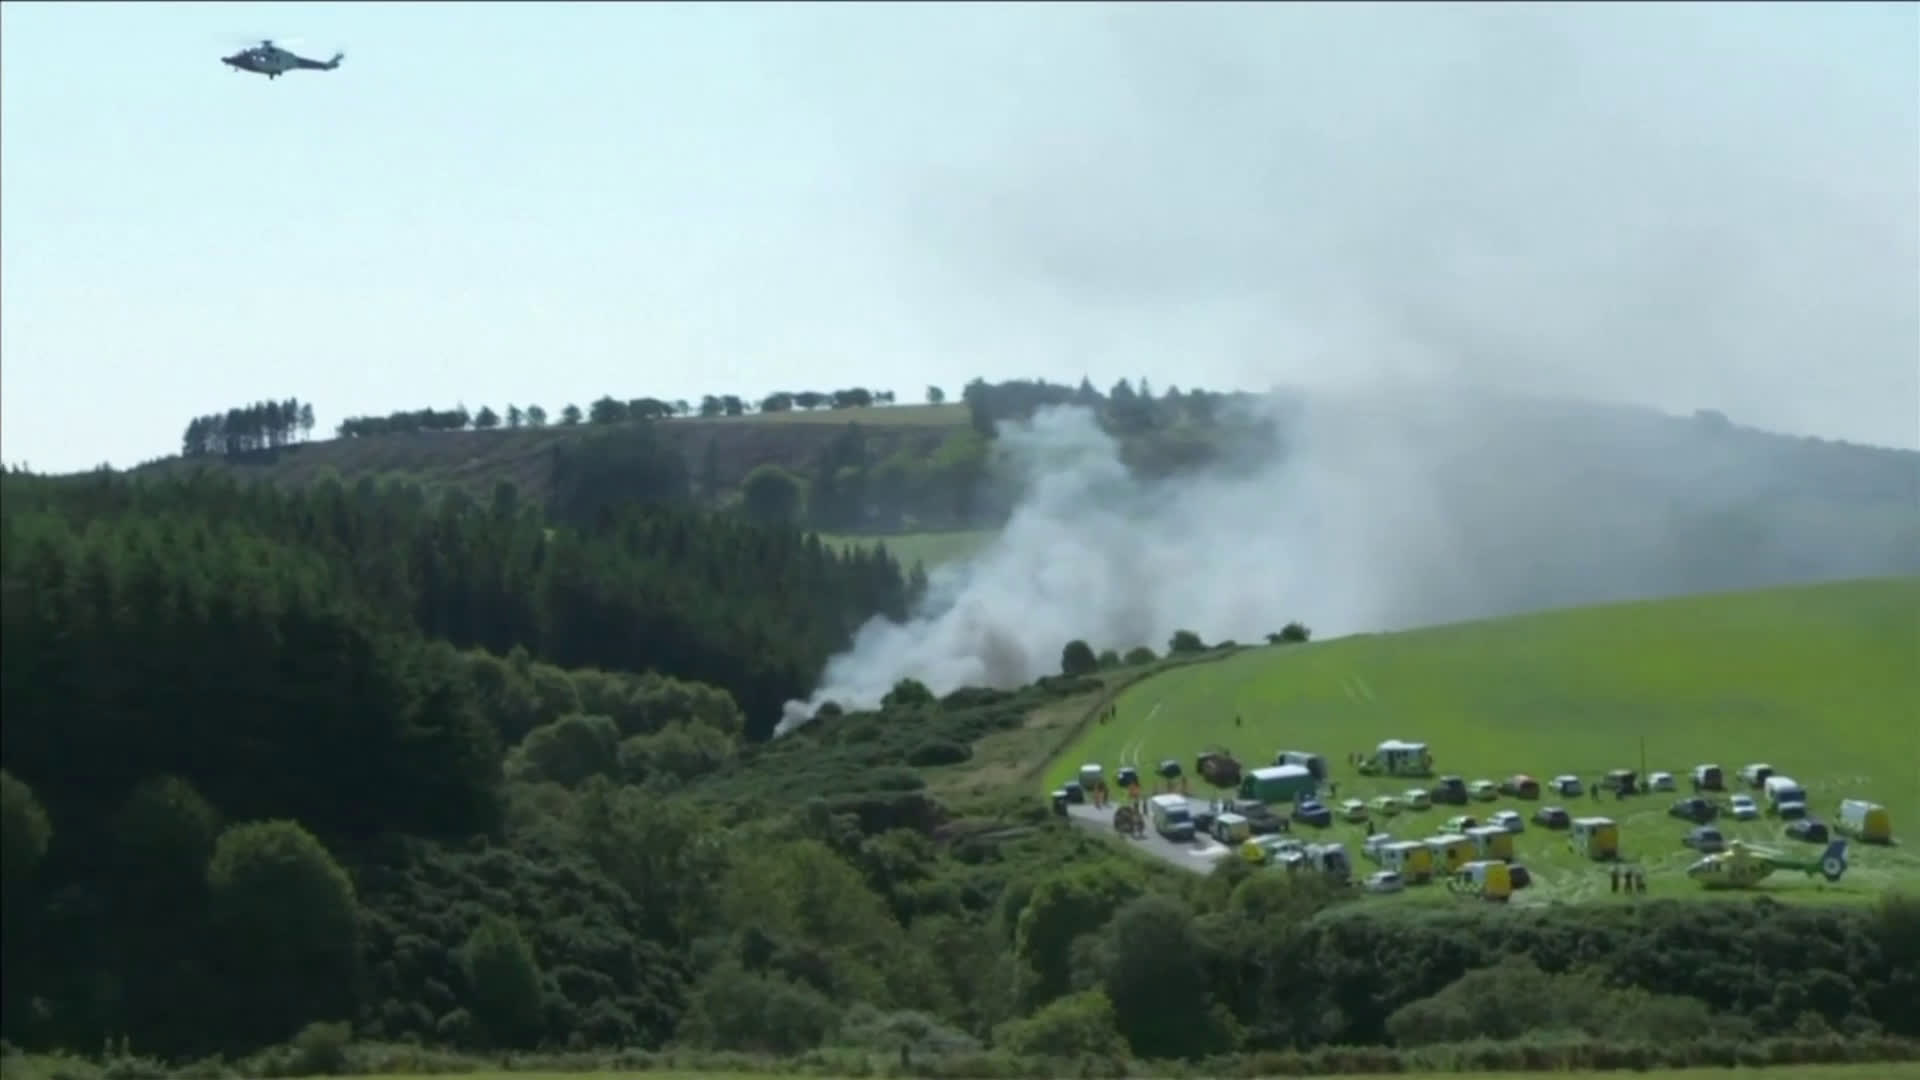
pixel 1483 791
pixel 1520 786
pixel 1755 775
pixel 1384 881
pixel 1450 789
pixel 1553 817
pixel 1353 810
pixel 1621 782
pixel 1695 808
pixel 1312 813
pixel 1417 798
pixel 1260 850
pixel 1460 823
pixel 1261 818
pixel 1708 778
pixel 1385 805
pixel 1661 781
pixel 1743 807
pixel 1509 820
pixel 1705 839
pixel 1567 784
pixel 1812 830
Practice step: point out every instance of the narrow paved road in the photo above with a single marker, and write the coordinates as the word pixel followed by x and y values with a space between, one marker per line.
pixel 1198 856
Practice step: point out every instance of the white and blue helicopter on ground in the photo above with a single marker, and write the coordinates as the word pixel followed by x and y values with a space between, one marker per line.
pixel 273 61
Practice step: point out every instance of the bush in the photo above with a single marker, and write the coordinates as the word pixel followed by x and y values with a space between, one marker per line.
pixel 1185 642
pixel 938 752
pixel 287 926
pixel 503 983
pixel 906 694
pixel 1075 1026
pixel 1077 659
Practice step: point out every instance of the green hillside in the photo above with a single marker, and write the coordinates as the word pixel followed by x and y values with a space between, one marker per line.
pixel 476 460
pixel 929 549
pixel 1823 682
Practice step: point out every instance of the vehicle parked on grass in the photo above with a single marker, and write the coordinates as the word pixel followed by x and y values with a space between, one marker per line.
pixel 1385 805
pixel 1260 850
pixel 1553 817
pixel 1784 796
pixel 1278 784
pixel 1596 837
pixel 1397 757
pixel 1312 813
pixel 1705 839
pixel 1811 830
pixel 1417 798
pixel 1460 823
pixel 1520 786
pixel 1743 808
pixel 1373 845
pixel 1491 842
pixel 1695 808
pixel 1567 784
pixel 1483 791
pixel 1708 778
pixel 1755 774
pixel 1315 764
pixel 1863 820
pixel 1413 859
pixel 1260 817
pixel 1661 781
pixel 1353 810
pixel 1385 881
pixel 1621 782
pixel 1509 820
pixel 1451 790
pixel 1330 859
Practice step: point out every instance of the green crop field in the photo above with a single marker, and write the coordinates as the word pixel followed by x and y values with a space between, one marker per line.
pixel 930 549
pixel 1822 682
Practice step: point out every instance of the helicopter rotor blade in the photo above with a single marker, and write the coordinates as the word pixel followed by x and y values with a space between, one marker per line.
pixel 254 41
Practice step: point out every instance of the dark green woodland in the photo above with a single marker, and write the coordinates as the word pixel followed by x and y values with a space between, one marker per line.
pixel 491 771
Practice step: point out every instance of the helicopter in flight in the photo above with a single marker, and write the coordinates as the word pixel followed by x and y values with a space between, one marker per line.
pixel 273 61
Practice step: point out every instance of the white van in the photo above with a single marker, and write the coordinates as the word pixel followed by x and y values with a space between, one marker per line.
pixel 1172 818
pixel 1785 796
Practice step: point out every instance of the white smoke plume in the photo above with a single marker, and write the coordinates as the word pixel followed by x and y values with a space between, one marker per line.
pixel 1446 224
pixel 1386 508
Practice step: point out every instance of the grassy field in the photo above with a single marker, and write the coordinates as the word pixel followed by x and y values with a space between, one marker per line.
pixel 1822 682
pixel 930 549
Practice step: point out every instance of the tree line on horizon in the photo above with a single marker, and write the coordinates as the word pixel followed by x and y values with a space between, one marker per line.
pixel 242 429
pixel 267 425
pixel 606 410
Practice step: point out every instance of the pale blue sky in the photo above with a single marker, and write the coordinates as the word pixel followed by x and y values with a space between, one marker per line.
pixel 495 203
